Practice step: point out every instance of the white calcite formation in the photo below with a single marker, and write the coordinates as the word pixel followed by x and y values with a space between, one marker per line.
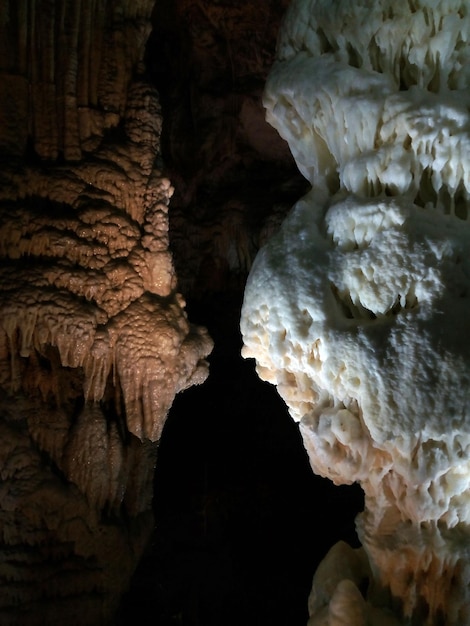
pixel 358 308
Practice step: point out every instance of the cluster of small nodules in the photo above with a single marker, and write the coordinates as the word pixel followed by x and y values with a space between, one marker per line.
pixel 437 481
pixel 87 270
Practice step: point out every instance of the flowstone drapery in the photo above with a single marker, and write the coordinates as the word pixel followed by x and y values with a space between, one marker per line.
pixel 358 308
pixel 95 341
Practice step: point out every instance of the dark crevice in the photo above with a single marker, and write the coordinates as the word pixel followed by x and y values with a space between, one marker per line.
pixel 240 517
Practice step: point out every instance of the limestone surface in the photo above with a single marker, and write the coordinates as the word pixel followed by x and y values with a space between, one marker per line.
pixel 358 308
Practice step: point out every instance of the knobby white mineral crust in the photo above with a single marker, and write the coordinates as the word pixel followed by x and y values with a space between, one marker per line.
pixel 358 308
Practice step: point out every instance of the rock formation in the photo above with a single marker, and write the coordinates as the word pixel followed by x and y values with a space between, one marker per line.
pixel 94 338
pixel 357 309
pixel 104 108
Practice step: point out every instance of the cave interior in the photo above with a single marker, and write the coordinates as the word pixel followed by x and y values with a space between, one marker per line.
pixel 240 520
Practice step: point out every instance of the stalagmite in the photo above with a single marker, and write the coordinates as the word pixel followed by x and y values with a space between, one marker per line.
pixel 358 308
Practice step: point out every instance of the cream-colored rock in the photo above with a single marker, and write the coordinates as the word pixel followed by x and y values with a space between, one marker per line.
pixel 358 308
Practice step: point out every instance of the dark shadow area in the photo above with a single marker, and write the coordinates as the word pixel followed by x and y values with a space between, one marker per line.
pixel 241 520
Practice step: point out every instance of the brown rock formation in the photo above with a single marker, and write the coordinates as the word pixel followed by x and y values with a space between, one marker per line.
pixel 94 339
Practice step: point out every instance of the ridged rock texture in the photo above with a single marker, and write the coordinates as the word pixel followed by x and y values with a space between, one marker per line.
pixel 94 338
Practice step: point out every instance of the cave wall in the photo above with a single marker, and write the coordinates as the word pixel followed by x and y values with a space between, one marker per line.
pixel 65 70
pixel 234 177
